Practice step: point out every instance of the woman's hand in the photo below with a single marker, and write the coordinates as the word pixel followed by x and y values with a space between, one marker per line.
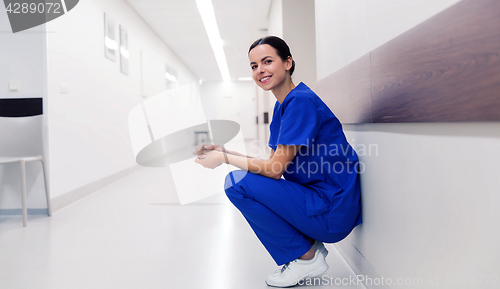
pixel 210 159
pixel 202 149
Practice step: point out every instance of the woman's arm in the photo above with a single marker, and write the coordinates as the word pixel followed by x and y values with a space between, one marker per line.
pixel 235 153
pixel 202 149
pixel 272 168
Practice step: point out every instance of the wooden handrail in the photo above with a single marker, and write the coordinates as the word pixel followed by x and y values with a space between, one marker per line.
pixel 446 69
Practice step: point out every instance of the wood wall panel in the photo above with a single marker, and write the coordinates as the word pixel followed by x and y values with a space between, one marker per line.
pixel 347 91
pixel 446 69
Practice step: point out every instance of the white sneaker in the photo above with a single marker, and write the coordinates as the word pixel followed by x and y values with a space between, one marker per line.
pixel 320 247
pixel 294 271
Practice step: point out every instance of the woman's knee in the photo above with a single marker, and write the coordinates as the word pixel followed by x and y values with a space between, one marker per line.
pixel 234 178
pixel 233 182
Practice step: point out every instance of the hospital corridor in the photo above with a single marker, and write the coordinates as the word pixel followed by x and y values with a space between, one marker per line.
pixel 224 144
pixel 128 235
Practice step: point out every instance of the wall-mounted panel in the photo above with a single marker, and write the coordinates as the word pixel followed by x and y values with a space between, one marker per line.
pixel 347 91
pixel 446 69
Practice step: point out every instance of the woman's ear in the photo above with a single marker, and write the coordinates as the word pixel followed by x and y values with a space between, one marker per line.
pixel 288 63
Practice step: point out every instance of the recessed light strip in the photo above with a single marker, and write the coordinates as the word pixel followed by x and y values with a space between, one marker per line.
pixel 207 13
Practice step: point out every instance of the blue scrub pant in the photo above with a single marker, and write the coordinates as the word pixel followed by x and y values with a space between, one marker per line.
pixel 276 211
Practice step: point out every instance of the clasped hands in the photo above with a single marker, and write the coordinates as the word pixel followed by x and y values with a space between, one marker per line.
pixel 210 156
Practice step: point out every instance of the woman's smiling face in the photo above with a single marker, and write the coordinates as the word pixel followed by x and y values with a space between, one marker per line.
pixel 269 71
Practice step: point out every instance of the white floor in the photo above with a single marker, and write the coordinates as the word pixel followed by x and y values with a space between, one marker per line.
pixel 134 234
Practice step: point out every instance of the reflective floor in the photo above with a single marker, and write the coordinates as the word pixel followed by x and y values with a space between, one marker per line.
pixel 134 234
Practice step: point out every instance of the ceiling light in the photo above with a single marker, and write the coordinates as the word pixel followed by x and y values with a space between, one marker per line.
pixel 110 43
pixel 170 77
pixel 124 52
pixel 207 13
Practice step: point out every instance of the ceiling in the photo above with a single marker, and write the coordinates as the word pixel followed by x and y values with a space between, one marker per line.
pixel 179 24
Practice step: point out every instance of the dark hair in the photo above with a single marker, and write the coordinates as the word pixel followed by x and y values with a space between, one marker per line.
pixel 277 43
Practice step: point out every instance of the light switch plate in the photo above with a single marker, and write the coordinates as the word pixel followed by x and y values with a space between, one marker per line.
pixel 63 88
pixel 14 85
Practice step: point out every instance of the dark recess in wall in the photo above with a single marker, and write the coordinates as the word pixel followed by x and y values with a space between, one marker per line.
pixel 20 107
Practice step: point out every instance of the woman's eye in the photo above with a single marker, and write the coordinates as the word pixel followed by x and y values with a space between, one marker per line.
pixel 253 67
pixel 268 61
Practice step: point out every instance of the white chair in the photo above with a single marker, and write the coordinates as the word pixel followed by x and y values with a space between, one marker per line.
pixel 22 141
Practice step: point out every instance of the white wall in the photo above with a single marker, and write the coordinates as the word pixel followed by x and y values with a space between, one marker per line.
pixel 431 191
pixel 22 58
pixel 275 18
pixel 236 101
pixel 265 103
pixel 88 126
pixel 300 35
pixel 265 99
pixel 293 21
pixel 429 199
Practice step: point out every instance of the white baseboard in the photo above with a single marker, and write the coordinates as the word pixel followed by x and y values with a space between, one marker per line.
pixel 359 265
pixel 71 197
pixel 8 212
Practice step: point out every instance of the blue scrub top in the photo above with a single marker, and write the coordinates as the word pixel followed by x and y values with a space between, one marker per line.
pixel 325 162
